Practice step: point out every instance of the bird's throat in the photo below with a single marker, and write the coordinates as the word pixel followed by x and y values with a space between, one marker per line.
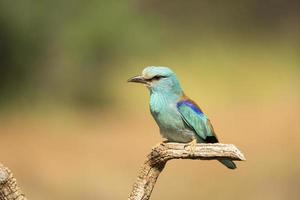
pixel 159 102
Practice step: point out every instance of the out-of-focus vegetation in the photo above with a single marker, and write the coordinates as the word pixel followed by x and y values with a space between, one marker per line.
pixel 70 52
pixel 66 109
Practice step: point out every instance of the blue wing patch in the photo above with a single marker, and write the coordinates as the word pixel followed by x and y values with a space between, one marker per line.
pixel 191 105
pixel 193 116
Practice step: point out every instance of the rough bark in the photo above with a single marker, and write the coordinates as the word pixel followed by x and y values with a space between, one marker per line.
pixel 164 152
pixel 150 170
pixel 9 189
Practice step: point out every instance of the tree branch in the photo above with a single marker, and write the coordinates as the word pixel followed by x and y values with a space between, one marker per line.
pixel 9 189
pixel 164 152
pixel 150 170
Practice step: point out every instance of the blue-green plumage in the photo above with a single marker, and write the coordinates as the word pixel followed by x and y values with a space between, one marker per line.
pixel 178 117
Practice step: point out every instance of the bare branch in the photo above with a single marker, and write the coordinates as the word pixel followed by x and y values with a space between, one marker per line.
pixel 150 170
pixel 9 189
pixel 164 152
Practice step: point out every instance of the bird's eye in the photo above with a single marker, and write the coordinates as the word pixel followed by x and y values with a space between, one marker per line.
pixel 156 78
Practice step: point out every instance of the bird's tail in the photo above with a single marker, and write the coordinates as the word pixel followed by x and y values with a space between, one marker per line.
pixel 228 163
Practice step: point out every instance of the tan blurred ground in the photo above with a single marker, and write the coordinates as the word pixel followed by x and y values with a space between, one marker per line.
pixel 98 155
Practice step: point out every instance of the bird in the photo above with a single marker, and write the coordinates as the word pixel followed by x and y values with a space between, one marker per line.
pixel 178 117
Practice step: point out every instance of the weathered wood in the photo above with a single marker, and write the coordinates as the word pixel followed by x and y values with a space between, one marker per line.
pixel 164 152
pixel 9 189
pixel 150 170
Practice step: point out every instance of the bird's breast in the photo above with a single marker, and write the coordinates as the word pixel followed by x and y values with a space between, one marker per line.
pixel 169 120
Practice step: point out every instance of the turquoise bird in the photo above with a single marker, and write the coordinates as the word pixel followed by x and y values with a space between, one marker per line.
pixel 179 118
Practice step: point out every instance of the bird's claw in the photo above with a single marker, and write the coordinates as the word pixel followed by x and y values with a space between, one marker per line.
pixel 191 146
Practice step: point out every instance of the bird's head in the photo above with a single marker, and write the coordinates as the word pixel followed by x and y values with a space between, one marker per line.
pixel 158 79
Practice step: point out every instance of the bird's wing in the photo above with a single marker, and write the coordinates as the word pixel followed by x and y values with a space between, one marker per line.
pixel 196 120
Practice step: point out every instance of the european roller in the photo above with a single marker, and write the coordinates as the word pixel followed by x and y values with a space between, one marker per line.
pixel 178 117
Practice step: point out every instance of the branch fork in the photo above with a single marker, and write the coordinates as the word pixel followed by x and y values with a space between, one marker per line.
pixel 164 152
pixel 150 170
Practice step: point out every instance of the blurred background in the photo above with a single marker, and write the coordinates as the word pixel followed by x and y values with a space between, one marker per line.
pixel 67 113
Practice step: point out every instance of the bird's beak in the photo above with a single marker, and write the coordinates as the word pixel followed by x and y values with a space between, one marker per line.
pixel 138 79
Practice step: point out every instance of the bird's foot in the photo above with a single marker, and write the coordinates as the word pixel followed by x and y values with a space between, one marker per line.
pixel 191 145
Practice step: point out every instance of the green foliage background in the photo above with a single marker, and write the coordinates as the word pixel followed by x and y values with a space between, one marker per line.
pixel 62 51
